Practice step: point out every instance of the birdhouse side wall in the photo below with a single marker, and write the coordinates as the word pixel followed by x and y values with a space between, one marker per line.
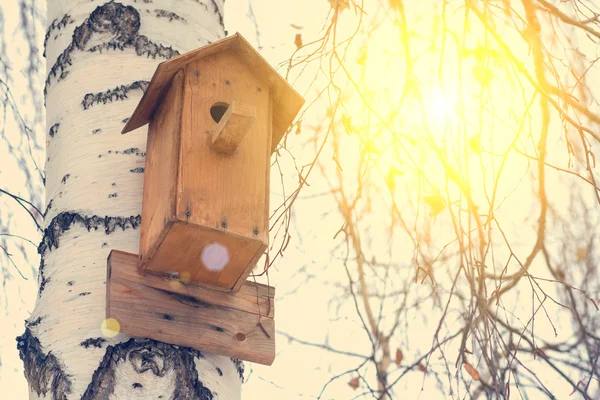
pixel 226 192
pixel 160 173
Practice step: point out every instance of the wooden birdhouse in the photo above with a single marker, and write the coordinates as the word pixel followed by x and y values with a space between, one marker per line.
pixel 215 116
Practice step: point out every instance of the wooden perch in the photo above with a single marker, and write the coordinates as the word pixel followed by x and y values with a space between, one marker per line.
pixel 238 325
pixel 232 127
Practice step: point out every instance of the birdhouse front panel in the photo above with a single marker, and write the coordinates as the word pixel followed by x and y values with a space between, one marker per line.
pixel 219 228
pixel 218 190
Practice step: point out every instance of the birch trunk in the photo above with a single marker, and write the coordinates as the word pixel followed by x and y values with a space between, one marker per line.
pixel 100 57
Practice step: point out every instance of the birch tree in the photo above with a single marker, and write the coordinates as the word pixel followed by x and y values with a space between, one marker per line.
pixel 100 57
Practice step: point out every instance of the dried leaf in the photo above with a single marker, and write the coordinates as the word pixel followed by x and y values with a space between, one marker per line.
pixel 422 368
pixel 362 58
pixel 354 383
pixel 398 356
pixel 475 143
pixel 484 75
pixel 436 203
pixel 581 382
pixel 471 371
pixel 339 4
pixel 371 148
pixel 390 178
pixel 298 41
pixel 581 253
pixel 347 124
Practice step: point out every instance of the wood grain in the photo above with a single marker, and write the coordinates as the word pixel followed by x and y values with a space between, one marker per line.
pixel 160 172
pixel 207 320
pixel 181 252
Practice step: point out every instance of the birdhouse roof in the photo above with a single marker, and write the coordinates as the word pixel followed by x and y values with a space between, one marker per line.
pixel 286 101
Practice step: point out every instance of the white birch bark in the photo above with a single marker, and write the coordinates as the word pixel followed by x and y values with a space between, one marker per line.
pixel 100 57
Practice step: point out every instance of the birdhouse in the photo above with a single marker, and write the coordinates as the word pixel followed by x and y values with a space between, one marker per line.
pixel 215 116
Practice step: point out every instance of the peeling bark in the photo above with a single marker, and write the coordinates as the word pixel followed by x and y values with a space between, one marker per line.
pixel 169 15
pixel 65 220
pixel 54 130
pixel 56 25
pixel 43 370
pixel 239 365
pixel 118 20
pixel 93 342
pixel 118 93
pixel 149 355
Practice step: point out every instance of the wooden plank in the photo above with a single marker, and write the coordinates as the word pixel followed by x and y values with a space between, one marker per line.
pixel 252 297
pixel 208 321
pixel 232 127
pixel 160 171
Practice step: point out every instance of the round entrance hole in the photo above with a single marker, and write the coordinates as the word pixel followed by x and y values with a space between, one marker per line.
pixel 218 110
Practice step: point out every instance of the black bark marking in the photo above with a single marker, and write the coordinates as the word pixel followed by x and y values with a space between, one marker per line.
pixel 131 150
pixel 84 294
pixel 138 170
pixel 43 371
pixel 149 355
pixel 42 276
pixel 65 220
pixel 54 129
pixel 64 179
pixel 118 93
pixel 219 371
pixel 239 365
pixel 48 207
pixel 95 131
pixel 56 25
pixel 112 195
pixel 71 283
pixel 137 385
pixel 33 323
pixel 118 20
pixel 218 12
pixel 93 342
pixel 170 15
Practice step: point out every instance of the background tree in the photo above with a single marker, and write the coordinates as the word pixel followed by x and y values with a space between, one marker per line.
pixel 458 145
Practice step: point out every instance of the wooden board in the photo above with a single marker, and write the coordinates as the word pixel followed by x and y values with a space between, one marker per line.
pixel 181 253
pixel 287 102
pixel 160 171
pixel 223 192
pixel 211 321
